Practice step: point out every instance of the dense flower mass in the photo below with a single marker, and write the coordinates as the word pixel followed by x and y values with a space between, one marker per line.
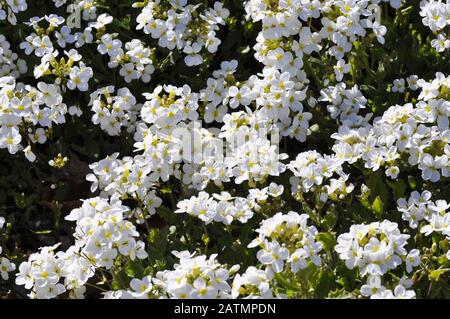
pixel 187 27
pixel 224 149
pixel 373 248
pixel 290 241
pixel 31 110
pixel 435 16
pixel 420 132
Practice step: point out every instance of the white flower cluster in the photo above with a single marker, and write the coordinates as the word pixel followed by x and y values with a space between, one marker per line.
pixel 420 131
pixel 10 64
pixel 345 104
pixel 311 169
pixel 286 35
pixel 219 208
pixel 399 85
pixel 373 248
pixel 6 265
pixel 34 109
pixel 287 239
pixel 42 273
pixel 126 179
pixel 282 105
pixel 435 15
pixel 53 30
pixel 140 289
pixel 277 98
pixel 135 61
pixel 162 158
pixel 193 277
pixel 86 7
pixel 431 216
pixel 167 106
pixel 200 277
pixel 254 283
pixel 102 234
pixel 196 277
pixel 9 9
pixel 42 40
pixel 375 289
pixel 74 77
pixel 114 110
pixel 187 27
pixel 256 158
pixel 415 208
pixel 225 208
pixel 166 112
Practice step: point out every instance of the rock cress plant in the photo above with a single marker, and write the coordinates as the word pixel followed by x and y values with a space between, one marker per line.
pixel 224 149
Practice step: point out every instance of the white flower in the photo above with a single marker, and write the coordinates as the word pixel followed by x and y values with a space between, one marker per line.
pixel 79 77
pixel 274 255
pixel 399 85
pixel 412 259
pixel 372 287
pixel 29 154
pixel 5 267
pixel 340 69
pixel 193 58
pixel 102 20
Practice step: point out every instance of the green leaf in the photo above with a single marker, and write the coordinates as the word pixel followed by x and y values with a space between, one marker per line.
pixel 324 284
pixel 412 182
pixel 41 232
pixel 378 206
pixel 283 281
pixel 20 200
pixel 167 214
pixel 377 186
pixel 436 274
pixel 166 190
pixel 327 240
pixel 134 269
pixel 340 294
pixel 347 277
pixel 398 187
pixel 329 221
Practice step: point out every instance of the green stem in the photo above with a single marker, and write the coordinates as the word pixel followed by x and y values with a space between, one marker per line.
pixel 310 71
